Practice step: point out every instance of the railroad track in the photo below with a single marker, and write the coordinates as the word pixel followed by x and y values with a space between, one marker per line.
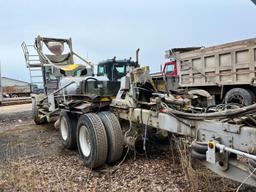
pixel 15 101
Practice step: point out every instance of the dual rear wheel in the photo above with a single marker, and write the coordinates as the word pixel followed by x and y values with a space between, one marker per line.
pixel 68 123
pixel 98 137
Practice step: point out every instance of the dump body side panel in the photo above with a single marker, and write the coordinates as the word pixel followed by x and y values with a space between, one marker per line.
pixel 227 64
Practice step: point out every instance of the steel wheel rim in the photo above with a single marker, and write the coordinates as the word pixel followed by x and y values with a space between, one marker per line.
pixel 84 140
pixel 237 99
pixel 64 128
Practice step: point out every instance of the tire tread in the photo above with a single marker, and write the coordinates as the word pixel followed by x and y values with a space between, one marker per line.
pixel 115 136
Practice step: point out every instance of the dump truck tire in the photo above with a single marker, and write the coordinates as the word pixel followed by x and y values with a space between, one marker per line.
pixel 199 147
pixel 240 96
pixel 92 140
pixel 35 114
pixel 67 129
pixel 114 135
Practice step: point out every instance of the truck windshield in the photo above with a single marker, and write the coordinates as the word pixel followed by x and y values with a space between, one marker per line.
pixel 169 68
pixel 120 69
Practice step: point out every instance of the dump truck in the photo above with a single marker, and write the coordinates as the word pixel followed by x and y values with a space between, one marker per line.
pixel 225 71
pixel 104 115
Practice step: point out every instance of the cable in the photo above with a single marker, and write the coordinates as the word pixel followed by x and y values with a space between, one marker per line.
pixel 214 115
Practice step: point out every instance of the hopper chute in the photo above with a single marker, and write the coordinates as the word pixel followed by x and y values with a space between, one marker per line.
pixel 55 47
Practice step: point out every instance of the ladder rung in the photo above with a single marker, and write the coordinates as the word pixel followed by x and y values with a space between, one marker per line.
pixel 33 60
pixel 34 65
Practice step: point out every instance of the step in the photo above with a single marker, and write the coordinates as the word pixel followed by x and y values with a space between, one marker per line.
pixel 35 65
pixel 33 60
pixel 35 69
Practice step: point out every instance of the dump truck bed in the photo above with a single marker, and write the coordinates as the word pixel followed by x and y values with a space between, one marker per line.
pixel 228 64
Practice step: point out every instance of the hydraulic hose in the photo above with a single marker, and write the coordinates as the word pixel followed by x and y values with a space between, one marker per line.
pixel 214 115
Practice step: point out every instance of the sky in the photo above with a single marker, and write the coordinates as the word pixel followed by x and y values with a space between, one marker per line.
pixel 103 29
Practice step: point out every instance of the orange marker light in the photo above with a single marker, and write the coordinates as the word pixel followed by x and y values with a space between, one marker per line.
pixel 211 145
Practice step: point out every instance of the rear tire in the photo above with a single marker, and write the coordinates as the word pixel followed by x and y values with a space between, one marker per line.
pixel 35 114
pixel 67 130
pixel 114 134
pixel 239 95
pixel 92 140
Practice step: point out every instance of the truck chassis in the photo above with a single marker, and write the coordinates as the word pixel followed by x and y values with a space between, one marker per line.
pixel 218 144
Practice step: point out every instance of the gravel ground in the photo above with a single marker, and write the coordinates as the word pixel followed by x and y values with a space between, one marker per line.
pixel 33 159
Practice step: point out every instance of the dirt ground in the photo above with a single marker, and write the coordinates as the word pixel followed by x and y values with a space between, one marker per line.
pixel 33 159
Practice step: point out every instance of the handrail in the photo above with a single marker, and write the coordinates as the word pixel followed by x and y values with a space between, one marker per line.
pixel 25 52
pixel 46 59
pixel 43 55
pixel 86 61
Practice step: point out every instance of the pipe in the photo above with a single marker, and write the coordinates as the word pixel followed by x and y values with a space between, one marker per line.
pixel 137 57
pixel 225 148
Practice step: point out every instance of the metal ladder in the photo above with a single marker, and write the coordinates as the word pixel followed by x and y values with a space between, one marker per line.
pixel 33 64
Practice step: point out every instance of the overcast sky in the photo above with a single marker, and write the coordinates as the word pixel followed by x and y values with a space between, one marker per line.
pixel 102 29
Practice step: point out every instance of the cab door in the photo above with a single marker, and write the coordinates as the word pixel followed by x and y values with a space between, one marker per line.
pixel 170 71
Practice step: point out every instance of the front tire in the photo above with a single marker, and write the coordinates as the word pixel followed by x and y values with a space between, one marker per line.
pixel 92 140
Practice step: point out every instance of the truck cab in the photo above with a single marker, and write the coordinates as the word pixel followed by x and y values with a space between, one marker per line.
pixel 170 69
pixel 115 69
